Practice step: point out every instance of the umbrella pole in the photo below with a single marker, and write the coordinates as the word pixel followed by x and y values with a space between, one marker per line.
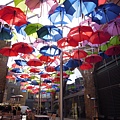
pixel 39 100
pixel 61 86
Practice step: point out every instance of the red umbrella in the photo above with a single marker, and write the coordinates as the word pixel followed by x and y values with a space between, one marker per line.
pixel 86 66
pixel 10 77
pixel 45 75
pixel 65 42
pixel 34 70
pixel 94 58
pixel 46 59
pixel 99 37
pixel 34 62
pixel 13 15
pixel 8 51
pixel 22 47
pixel 78 54
pixel 113 50
pixel 80 33
pixel 24 76
pixel 50 68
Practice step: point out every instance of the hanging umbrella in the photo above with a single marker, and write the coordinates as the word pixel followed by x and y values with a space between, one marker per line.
pixel 80 33
pixel 22 47
pixel 47 81
pixel 60 17
pixel 99 37
pixel 57 68
pixel 86 66
pixel 13 16
pixel 8 51
pixel 21 62
pixel 80 7
pixel 50 68
pixel 20 29
pixel 34 70
pixel 115 40
pixel 78 54
pixel 45 75
pixel 34 62
pixel 32 28
pixel 105 13
pixel 105 46
pixel 94 58
pixel 49 5
pixel 50 51
pixel 5 33
pixel 65 42
pixel 50 33
pixel 24 76
pixel 113 27
pixel 16 70
pixel 73 63
pixel 46 59
pixel 113 50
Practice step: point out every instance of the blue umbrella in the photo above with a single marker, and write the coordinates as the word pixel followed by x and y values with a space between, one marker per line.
pixel 16 70
pixel 34 82
pixel 60 16
pixel 20 29
pixel 73 63
pixel 47 81
pixel 5 33
pixel 50 50
pixel 57 68
pixel 105 13
pixel 21 62
pixel 82 7
pixel 50 33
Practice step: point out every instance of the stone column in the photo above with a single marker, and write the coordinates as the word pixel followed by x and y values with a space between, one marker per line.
pixel 89 94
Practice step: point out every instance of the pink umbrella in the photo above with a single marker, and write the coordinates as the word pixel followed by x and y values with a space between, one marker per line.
pixel 50 5
pixel 113 28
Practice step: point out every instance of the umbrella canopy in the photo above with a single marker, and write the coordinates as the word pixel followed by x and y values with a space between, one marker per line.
pixel 50 51
pixel 78 54
pixel 13 16
pixel 94 58
pixel 57 68
pixel 5 33
pixel 80 33
pixel 34 62
pixel 113 27
pixel 20 29
pixel 50 33
pixel 73 63
pixel 21 62
pixel 16 70
pixel 99 37
pixel 113 50
pixel 32 28
pixel 22 47
pixel 8 51
pixel 105 13
pixel 59 16
pixel 34 70
pixel 50 5
pixel 46 59
pixel 65 42
pixel 81 7
pixel 50 68
pixel 86 66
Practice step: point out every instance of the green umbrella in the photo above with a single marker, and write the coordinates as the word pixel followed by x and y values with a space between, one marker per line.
pixel 115 40
pixel 105 46
pixel 32 28
pixel 68 72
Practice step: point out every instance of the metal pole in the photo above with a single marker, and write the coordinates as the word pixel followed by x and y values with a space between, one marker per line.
pixel 61 86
